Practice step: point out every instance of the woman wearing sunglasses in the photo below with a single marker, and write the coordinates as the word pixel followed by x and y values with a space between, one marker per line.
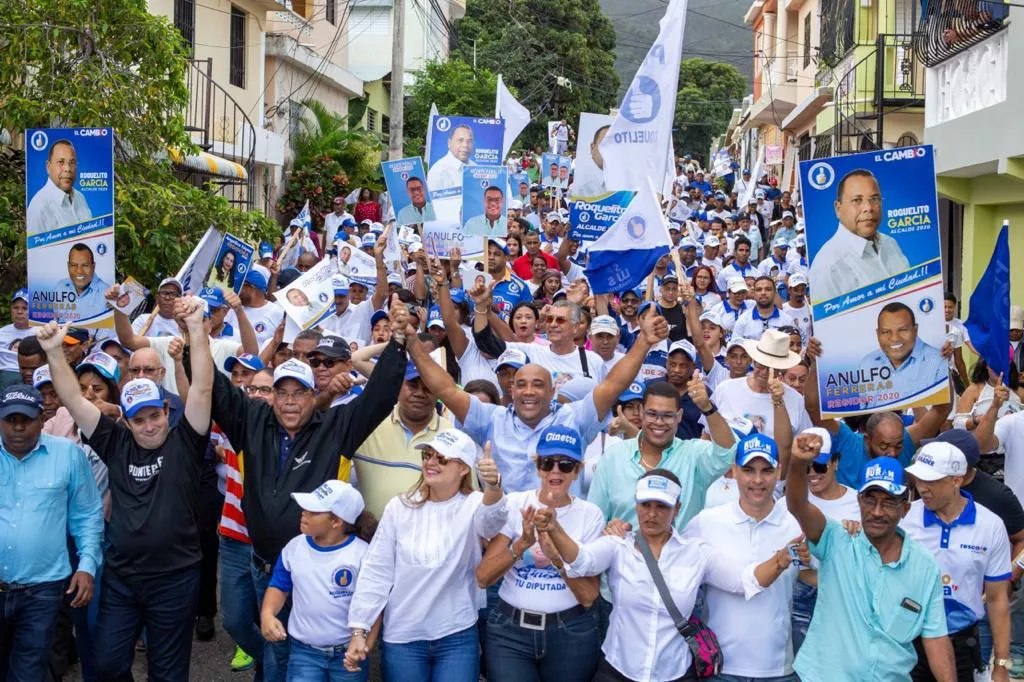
pixel 419 569
pixel 542 627
pixel 642 640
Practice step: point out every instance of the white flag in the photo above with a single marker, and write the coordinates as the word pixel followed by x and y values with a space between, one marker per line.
pixel 194 270
pixel 430 127
pixel 516 116
pixel 636 145
pixel 752 185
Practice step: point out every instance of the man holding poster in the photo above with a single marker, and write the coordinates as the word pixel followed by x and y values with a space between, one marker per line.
pixel 483 201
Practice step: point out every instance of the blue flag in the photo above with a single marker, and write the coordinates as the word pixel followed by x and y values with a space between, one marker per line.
pixel 989 321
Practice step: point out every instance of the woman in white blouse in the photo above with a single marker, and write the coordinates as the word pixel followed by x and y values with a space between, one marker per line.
pixel 642 642
pixel 419 569
pixel 541 627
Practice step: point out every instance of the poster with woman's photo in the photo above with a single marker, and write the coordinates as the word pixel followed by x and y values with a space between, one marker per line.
pixel 232 262
pixel 309 299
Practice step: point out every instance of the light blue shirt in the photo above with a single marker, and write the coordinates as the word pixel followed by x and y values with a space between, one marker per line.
pixel 89 303
pixel 923 369
pixel 697 464
pixel 45 496
pixel 862 628
pixel 853 454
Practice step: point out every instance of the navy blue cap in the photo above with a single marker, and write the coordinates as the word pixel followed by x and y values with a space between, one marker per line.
pixel 20 399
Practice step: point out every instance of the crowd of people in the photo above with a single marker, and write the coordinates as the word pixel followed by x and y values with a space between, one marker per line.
pixel 511 478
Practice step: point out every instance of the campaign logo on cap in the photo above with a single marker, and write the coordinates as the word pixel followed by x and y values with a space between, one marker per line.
pixel 711 241
pixel 213 297
pixel 247 360
pixel 885 473
pixel 369 240
pixel 604 324
pixel 453 444
pixel 712 317
pixel 102 363
pixel 395 278
pixel 560 440
pixel 266 250
pixel 797 278
pixel 20 295
pixel 339 498
pixel 780 243
pixel 633 392
pixel 41 377
pixel 937 460
pixel 138 394
pixel 340 285
pixel 754 446
pixel 500 243
pixel 294 369
pixel 512 357
pixel 333 347
pixel 434 318
pixel 657 489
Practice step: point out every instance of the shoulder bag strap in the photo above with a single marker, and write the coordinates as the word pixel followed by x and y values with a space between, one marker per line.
pixel 682 624
pixel 583 361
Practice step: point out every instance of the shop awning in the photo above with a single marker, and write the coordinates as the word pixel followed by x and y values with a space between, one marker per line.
pixel 209 164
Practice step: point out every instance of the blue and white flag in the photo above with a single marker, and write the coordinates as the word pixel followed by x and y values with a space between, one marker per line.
pixel 430 127
pixel 989 320
pixel 639 140
pixel 516 116
pixel 305 241
pixel 624 255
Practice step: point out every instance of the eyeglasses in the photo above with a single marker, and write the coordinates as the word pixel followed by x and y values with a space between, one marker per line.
pixel 566 466
pixel 889 504
pixel 660 416
pixel 148 371
pixel 261 390
pixel 874 200
pixel 329 363
pixel 167 295
pixel 818 468
pixel 283 395
pixel 441 459
pixel 556 319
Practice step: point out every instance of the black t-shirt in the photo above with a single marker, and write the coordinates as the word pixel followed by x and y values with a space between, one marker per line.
pixel 676 318
pixel 154 498
pixel 997 498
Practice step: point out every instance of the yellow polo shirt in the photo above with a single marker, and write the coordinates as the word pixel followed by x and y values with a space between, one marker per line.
pixel 387 463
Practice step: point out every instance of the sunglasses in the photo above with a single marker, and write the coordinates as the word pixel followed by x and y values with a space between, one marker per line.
pixel 818 468
pixel 329 363
pixel 553 319
pixel 441 459
pixel 566 466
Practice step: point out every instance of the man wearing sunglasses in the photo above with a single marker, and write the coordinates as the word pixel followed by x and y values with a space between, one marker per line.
pixel 880 590
pixel 331 362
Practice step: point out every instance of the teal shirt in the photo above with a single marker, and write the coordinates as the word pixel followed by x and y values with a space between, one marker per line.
pixel 860 631
pixel 697 463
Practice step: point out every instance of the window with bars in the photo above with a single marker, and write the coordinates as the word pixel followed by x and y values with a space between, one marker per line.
pixel 807 40
pixel 331 11
pixel 371 120
pixel 237 67
pixel 185 20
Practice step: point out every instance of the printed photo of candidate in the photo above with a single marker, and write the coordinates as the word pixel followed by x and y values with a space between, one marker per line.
pixel 492 222
pixel 549 170
pixel 82 287
pixel 418 210
pixel 902 359
pixel 857 254
pixel 564 166
pixel 224 271
pixel 446 172
pixel 58 203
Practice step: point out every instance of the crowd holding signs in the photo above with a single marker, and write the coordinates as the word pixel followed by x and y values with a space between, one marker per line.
pixel 594 411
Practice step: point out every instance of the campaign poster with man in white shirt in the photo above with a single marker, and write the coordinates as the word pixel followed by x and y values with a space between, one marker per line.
pixel 873 244
pixel 69 221
pixel 407 187
pixel 588 176
pixel 457 142
pixel 483 201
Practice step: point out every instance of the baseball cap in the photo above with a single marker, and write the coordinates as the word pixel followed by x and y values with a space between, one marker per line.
pixel 553 217
pixel 735 341
pixel 376 228
pixel 500 243
pixel 711 241
pixel 787 214
pixel 797 278
pixel 294 369
pixel 512 357
pixel 20 294
pixel 266 251
pixel 759 194
pixel 458 296
pixel 340 285
pixel 684 346
pixel 746 171
pixel 395 278
pixel 287 276
pixel 635 391
pixel 712 317
pixel 604 324
pixel 958 438
pixel 366 221
pixel 882 472
pixel 21 399
pixel 368 240
pixel 333 347
pixel 560 440
pixel 688 244
pixel 647 305
pixel 247 360
pixel 173 280
pixel 515 205
pixel 576 389
pixel 339 200
pixel 1016 317
pixel 213 296
pixel 937 460
pixel 825 454
pixel 737 284
pixel 377 317
pixel 337 497
pixel 76 335
pixel 670 278
pixel 799 241
pixel 453 444
pixel 411 371
pixel 434 318
pixel 657 489
pixel 140 393
pixel 259 277
pixel 741 427
pixel 41 376
pixel 102 363
pixel 751 201
pixel 757 445
pixel 780 243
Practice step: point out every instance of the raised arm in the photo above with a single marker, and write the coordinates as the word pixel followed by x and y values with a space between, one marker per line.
pixel 200 393
pixel 85 414
pixel 985 432
pixel 250 344
pixel 783 428
pixel 653 329
pixel 438 381
pixel 449 313
pixel 380 291
pixel 928 426
pixel 806 447
pixel 812 399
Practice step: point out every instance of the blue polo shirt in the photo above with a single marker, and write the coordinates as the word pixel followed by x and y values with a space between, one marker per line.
pixel 508 292
pixel 862 627
pixel 853 454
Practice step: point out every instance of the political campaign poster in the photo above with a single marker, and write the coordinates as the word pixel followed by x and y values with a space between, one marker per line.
pixel 588 178
pixel 69 221
pixel 310 298
pixel 132 295
pixel 357 265
pixel 520 186
pixel 232 262
pixel 458 141
pixel 484 200
pixel 440 237
pixel 721 163
pixel 590 217
pixel 773 154
pixel 198 264
pixel 407 187
pixel 876 280
pixel 473 275
pixel 552 175
pixel 553 136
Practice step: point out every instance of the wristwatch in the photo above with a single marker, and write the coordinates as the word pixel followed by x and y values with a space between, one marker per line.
pixel 710 411
pixel 1004 663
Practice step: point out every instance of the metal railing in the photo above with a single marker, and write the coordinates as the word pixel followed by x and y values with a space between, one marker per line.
pixel 218 125
pixel 837 25
pixel 949 27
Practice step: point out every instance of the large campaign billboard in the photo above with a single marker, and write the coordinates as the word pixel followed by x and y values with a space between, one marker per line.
pixel 588 175
pixel 876 280
pixel 69 224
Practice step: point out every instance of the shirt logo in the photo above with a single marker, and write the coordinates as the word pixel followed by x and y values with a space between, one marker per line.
pixel 144 473
pixel 301 461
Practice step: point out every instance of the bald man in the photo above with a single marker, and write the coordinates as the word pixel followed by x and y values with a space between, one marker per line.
pixel 145 364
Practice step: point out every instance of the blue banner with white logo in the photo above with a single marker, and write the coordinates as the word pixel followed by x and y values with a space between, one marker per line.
pixel 590 217
pixel 69 224
pixel 876 280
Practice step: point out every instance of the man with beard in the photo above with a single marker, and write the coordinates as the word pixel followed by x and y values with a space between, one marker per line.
pixel 764 315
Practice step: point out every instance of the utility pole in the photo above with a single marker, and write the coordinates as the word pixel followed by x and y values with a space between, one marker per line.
pixel 397 83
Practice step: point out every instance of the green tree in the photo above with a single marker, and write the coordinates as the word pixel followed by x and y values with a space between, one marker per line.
pixel 708 92
pixel 108 63
pixel 455 88
pixel 558 55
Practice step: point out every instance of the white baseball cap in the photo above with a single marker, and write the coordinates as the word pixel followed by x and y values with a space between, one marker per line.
pixel 337 497
pixel 453 444
pixel 604 324
pixel 797 278
pixel 685 346
pixel 712 317
pixel 737 284
pixel 711 240
pixel 937 460
pixel 657 489
pixel 515 205
pixel 140 393
pixel 294 369
pixel 1016 317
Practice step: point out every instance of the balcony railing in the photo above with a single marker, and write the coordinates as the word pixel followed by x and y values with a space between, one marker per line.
pixel 951 26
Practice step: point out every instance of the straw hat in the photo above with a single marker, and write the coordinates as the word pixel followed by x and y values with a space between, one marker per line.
pixel 772 350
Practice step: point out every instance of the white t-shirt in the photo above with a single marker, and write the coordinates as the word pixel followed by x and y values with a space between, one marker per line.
pixel 560 364
pixel 265 320
pixel 8 335
pixel 1010 432
pixel 473 364
pixel 162 326
pixel 353 324
pixel 801 318
pixel 221 349
pixel 533 583
pixel 735 399
pixel 844 508
pixel 322 581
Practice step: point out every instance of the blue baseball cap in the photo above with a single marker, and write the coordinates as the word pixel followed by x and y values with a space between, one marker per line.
pixel 560 440
pixel 377 317
pixel 340 285
pixel 500 243
pixel 103 364
pixel 885 473
pixel 349 222
pixel 757 445
pixel 20 294
pixel 266 250
pixel 634 391
pixel 214 298
pixel 434 317
pixel 411 372
pixel 746 171
pixel 21 399
pixel 458 295
pixel 648 304
pixel 247 360
pixel 258 276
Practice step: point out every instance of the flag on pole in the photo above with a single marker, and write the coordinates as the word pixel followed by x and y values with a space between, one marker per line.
pixel 623 256
pixel 748 193
pixel 305 240
pixel 199 262
pixel 639 139
pixel 430 127
pixel 989 320
pixel 516 116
